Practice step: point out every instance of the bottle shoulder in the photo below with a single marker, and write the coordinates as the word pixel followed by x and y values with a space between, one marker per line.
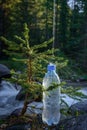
pixel 52 75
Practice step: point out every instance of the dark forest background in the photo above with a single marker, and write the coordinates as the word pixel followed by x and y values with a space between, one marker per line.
pixel 71 25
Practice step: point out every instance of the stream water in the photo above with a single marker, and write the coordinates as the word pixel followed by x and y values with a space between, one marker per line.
pixel 7 98
pixel 8 103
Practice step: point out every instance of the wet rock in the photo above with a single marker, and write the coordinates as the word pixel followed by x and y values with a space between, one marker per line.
pixel 81 79
pixel 16 112
pixel 78 121
pixel 77 84
pixel 79 108
pixel 34 108
pixel 75 123
pixel 4 71
pixel 19 127
pixel 21 95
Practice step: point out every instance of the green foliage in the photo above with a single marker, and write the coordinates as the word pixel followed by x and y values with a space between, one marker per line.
pixel 70 33
pixel 34 64
pixel 73 92
pixel 54 86
pixel 63 24
pixel 11 64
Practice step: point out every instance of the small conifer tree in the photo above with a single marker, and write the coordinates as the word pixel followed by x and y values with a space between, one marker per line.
pixel 34 59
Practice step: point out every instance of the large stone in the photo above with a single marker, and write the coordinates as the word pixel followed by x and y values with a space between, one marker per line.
pixel 19 127
pixel 78 121
pixel 4 71
pixel 79 108
pixel 21 95
pixel 75 123
pixel 16 112
pixel 32 108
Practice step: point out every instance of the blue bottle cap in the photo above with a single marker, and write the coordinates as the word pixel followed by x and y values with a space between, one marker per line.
pixel 51 67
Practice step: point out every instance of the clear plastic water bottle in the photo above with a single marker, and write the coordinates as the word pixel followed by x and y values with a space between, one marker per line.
pixel 51 98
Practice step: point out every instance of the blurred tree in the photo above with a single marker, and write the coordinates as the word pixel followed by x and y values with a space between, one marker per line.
pixel 63 24
pixel 82 55
pixel 75 33
pixel 71 25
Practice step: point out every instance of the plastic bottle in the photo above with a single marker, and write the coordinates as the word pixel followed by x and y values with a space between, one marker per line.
pixel 51 98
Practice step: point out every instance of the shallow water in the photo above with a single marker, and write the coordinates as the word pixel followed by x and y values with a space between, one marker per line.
pixel 7 98
pixel 8 103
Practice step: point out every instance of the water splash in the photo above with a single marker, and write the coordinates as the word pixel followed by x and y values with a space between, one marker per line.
pixel 7 89
pixel 7 98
